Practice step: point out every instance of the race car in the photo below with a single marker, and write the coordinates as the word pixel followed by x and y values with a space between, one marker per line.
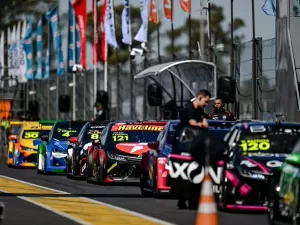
pixel 185 174
pixel 154 175
pixel 76 159
pixel 52 149
pixel 154 163
pixel 256 152
pixel 21 149
pixel 117 158
pixel 284 199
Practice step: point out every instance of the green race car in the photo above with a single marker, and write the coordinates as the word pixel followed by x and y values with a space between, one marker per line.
pixel 284 204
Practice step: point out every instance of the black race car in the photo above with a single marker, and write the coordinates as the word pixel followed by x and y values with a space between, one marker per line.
pixel 76 159
pixel 116 157
pixel 256 152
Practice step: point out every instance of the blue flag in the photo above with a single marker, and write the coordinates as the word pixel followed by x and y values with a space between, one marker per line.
pixel 73 45
pixel 270 7
pixel 57 41
pixel 39 49
pixel 126 29
pixel 27 46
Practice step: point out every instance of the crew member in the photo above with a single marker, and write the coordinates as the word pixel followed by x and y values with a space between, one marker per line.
pixel 219 112
pixel 192 116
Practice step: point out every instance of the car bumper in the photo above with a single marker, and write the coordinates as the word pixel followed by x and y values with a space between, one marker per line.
pixel 22 159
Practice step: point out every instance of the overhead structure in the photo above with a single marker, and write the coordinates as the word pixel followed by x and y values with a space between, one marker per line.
pixel 181 80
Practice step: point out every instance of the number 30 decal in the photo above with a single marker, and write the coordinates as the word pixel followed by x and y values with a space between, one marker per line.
pixel 31 135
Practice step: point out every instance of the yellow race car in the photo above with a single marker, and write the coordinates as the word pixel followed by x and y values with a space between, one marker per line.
pixel 21 149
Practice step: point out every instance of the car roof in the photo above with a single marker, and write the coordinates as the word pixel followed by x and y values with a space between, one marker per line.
pixel 272 124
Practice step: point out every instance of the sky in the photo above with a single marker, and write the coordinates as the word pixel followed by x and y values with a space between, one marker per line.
pixel 265 25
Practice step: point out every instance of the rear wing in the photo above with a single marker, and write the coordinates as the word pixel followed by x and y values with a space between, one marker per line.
pixel 17 123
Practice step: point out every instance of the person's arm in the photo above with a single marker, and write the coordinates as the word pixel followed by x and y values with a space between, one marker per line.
pixel 193 122
pixel 204 123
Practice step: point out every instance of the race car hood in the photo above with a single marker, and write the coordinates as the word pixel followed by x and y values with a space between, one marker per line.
pixel 28 144
pixel 60 145
pixel 134 149
pixel 266 164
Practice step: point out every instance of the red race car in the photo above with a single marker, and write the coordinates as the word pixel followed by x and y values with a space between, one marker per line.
pixel 116 157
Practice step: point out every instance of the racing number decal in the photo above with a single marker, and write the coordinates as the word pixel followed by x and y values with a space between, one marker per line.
pixel 120 137
pixel 31 135
pixel 66 134
pixel 255 145
pixel 94 136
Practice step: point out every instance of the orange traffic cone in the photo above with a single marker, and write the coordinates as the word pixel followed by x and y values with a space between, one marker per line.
pixel 207 208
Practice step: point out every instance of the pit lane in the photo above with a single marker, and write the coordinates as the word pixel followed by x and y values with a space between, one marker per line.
pixel 127 197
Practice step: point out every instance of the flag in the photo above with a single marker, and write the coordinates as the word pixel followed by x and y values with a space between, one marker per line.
pixel 142 35
pixel 126 24
pixel 96 32
pixel 14 50
pixel 47 61
pixel 23 64
pixel 39 49
pixel 27 46
pixel 103 35
pixel 73 40
pixel 80 8
pixel 57 42
pixel 1 54
pixel 9 51
pixel 154 18
pixel 186 5
pixel 270 7
pixel 168 11
pixel 109 24
pixel 18 49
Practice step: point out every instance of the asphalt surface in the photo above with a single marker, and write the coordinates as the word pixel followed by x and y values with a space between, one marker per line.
pixel 128 197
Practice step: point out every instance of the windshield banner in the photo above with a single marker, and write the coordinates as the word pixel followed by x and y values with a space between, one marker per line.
pixel 136 128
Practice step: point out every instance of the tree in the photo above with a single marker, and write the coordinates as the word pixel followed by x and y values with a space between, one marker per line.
pixel 219 35
pixel 12 11
pixel 122 55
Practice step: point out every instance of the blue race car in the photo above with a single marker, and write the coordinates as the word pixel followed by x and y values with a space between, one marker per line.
pixel 154 175
pixel 53 149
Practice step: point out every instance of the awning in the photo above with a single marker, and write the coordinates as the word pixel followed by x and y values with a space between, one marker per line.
pixel 157 69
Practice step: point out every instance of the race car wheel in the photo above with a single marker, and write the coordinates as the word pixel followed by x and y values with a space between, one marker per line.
pixel 273 212
pixel 193 203
pixel 296 206
pixel 223 196
pixel 89 165
pixel 156 193
pixel 100 171
pixel 69 167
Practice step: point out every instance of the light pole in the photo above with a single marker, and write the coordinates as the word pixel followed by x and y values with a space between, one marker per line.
pixel 254 74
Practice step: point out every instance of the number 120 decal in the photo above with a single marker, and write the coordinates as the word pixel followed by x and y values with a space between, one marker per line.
pixel 255 145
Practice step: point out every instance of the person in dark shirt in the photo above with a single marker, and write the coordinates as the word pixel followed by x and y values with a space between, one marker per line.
pixel 192 116
pixel 219 112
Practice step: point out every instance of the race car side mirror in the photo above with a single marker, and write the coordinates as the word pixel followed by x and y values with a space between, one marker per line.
pixel 73 140
pixel 12 137
pixel 153 145
pixel 45 138
pixel 96 142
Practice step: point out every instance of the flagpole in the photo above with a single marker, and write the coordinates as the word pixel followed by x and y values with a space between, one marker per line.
pixel 158 33
pixel 105 68
pixel 49 77
pixel 74 74
pixel 172 31
pixel 95 65
pixel 190 36
pixel 254 74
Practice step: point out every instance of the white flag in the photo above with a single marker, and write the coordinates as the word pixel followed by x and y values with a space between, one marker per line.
pixel 14 53
pixel 9 51
pixel 142 34
pixel 2 55
pixel 23 66
pixel 18 39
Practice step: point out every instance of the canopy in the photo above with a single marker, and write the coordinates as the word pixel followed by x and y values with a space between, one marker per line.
pixel 191 74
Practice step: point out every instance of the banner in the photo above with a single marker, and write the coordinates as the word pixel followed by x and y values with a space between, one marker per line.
pixel 168 11
pixel 142 35
pixel 186 5
pixel 103 35
pixel 27 46
pixel 270 7
pixel 23 64
pixel 126 24
pixel 14 50
pixel 96 33
pixel 80 8
pixel 109 24
pixel 1 54
pixel 18 48
pixel 57 42
pixel 39 49
pixel 154 18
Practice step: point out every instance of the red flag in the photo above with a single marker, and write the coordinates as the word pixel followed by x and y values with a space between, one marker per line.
pixel 103 36
pixel 186 5
pixel 96 31
pixel 154 12
pixel 80 8
pixel 168 9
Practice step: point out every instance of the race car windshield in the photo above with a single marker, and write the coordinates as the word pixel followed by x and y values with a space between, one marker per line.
pixel 93 133
pixel 274 141
pixel 134 133
pixel 65 131
pixel 171 134
pixel 34 134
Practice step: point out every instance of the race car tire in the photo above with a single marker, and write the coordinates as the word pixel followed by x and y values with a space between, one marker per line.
pixel 100 173
pixel 69 167
pixel 296 206
pixel 193 203
pixel 273 213
pixel 88 167
pixel 223 197
pixel 143 186
pixel 156 193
